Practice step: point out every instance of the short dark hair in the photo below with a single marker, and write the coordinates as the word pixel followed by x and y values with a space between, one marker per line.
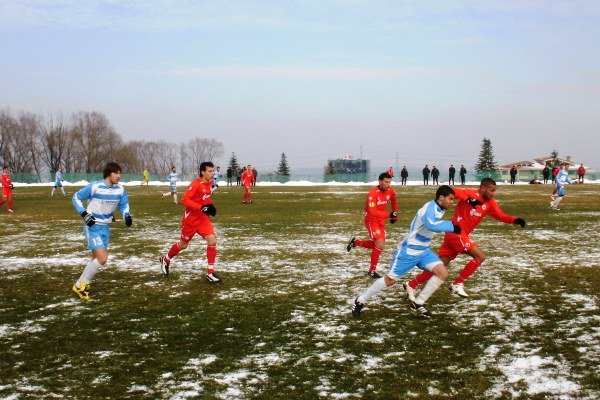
pixel 443 190
pixel 384 175
pixel 110 168
pixel 487 182
pixel 205 165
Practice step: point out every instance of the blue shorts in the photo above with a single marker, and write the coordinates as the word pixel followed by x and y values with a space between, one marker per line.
pixel 173 188
pixel 57 184
pixel 560 191
pixel 97 236
pixel 403 262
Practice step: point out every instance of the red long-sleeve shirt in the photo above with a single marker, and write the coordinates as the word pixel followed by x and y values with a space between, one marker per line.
pixel 468 217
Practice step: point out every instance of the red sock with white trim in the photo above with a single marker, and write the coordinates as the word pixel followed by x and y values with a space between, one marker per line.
pixel 420 279
pixel 175 249
pixel 467 271
pixel 211 255
pixel 375 253
pixel 368 244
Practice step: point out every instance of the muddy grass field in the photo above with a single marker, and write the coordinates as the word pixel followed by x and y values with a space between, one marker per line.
pixel 279 326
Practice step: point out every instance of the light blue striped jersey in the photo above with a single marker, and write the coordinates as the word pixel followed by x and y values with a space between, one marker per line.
pixel 562 178
pixel 103 201
pixel 422 228
pixel 58 178
pixel 173 177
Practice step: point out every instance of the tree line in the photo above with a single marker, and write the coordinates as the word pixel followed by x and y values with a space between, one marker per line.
pixel 84 141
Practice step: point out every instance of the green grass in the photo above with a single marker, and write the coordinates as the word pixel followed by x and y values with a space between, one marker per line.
pixel 279 326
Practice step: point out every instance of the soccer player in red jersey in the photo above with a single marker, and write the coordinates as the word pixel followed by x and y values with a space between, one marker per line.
pixel 473 205
pixel 375 215
pixel 7 189
pixel 196 220
pixel 247 179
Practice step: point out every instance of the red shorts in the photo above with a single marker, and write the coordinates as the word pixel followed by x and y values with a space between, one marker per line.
pixel 190 227
pixel 376 229
pixel 454 244
pixel 6 192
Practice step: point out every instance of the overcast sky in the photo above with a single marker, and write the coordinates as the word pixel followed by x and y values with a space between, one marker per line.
pixel 424 80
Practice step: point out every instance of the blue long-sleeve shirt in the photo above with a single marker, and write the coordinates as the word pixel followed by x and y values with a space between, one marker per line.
pixel 102 201
pixel 424 225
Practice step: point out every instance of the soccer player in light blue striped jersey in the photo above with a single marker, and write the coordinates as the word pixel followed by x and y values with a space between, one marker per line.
pixel 415 250
pixel 173 178
pixel 103 199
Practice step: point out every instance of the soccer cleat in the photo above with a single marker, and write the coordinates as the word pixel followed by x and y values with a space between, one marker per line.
pixel 213 278
pixel 164 266
pixel 373 274
pixel 351 244
pixel 357 308
pixel 420 308
pixel 84 292
pixel 10 210
pixel 459 290
pixel 411 293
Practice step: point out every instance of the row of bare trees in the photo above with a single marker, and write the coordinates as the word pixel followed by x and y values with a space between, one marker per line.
pixel 86 141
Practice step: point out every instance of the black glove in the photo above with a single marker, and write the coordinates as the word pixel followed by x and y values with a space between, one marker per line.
pixel 209 209
pixel 474 202
pixel 457 229
pixel 12 186
pixel 520 222
pixel 88 218
pixel 128 220
pixel 393 217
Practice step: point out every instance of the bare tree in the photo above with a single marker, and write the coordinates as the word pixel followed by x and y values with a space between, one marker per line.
pixel 202 149
pixel 31 138
pixel 55 133
pixel 96 138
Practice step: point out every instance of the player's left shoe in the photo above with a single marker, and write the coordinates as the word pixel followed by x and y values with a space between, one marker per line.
pixel 373 274
pixel 411 293
pixel 10 210
pixel 83 292
pixel 459 290
pixel 164 266
pixel 213 278
pixel 357 308
pixel 351 244
pixel 420 308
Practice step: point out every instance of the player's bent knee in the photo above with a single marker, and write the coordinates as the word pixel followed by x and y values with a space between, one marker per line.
pixel 440 271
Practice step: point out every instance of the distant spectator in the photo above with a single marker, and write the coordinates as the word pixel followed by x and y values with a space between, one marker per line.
pixel 238 175
pixel 426 172
pixel 546 174
pixel 581 173
pixel 513 175
pixel 229 176
pixel 435 173
pixel 463 174
pixel 255 176
pixel 404 175
pixel 451 173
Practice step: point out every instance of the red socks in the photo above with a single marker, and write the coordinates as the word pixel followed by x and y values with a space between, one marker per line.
pixel 375 253
pixel 175 249
pixel 211 255
pixel 467 271
pixel 368 244
pixel 420 279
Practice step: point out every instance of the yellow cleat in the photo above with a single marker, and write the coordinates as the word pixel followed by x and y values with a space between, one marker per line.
pixel 84 292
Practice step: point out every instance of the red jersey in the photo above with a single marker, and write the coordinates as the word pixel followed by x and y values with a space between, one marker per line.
pixel 6 183
pixel 468 217
pixel 581 171
pixel 377 202
pixel 247 177
pixel 196 196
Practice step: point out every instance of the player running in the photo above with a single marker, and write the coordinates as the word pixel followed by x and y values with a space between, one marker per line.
pixel 173 178
pixel 196 220
pixel 473 205
pixel 415 250
pixel 7 189
pixel 376 213
pixel 562 179
pixel 103 199
pixel 58 180
pixel 247 179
